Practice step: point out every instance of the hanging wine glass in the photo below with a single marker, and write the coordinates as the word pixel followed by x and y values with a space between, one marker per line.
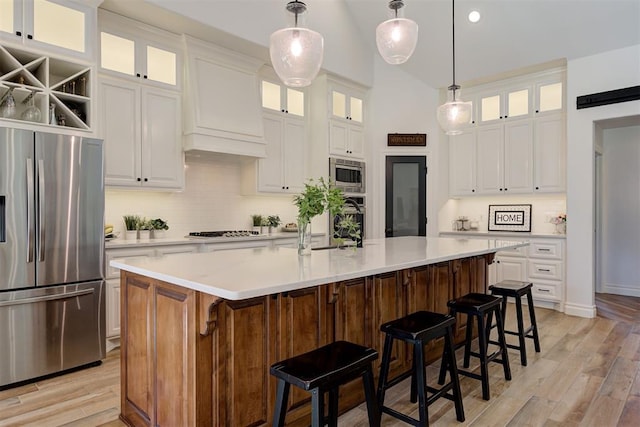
pixel 32 113
pixel 8 105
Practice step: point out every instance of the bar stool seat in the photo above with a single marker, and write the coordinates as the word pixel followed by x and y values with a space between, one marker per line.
pixel 483 307
pixel 516 289
pixel 418 329
pixel 324 370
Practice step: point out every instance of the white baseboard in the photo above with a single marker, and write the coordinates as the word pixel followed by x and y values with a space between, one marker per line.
pixel 627 291
pixel 113 342
pixel 588 311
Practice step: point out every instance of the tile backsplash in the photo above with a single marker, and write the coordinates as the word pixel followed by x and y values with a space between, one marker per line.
pixel 212 200
pixel 477 209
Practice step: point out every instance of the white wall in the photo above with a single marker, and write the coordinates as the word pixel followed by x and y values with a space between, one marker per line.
pixel 400 104
pixel 607 71
pixel 621 211
pixel 212 200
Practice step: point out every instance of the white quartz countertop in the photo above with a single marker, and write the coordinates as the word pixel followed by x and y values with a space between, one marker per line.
pixel 246 273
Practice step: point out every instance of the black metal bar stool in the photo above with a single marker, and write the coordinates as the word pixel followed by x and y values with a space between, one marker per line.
pixel 482 307
pixel 324 370
pixel 517 289
pixel 418 329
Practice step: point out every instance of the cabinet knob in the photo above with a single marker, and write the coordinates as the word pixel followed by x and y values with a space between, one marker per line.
pixel 505 189
pixel 537 111
pixel 500 116
pixel 29 36
pixel 145 180
pixel 286 111
pixel 137 74
pixel 473 191
pixel 501 189
pixel 537 188
pixel 144 76
pixel 282 111
pixel 473 122
pixel 287 188
pixel 19 33
pixel 139 180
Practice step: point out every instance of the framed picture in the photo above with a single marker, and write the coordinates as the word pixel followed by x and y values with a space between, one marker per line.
pixel 510 218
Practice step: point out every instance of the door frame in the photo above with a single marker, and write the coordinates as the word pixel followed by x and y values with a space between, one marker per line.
pixel 389 160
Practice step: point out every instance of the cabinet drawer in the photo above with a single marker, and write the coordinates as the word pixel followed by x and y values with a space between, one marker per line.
pixel 111 272
pixel 236 245
pixel 543 269
pixel 515 252
pixel 546 290
pixel 546 249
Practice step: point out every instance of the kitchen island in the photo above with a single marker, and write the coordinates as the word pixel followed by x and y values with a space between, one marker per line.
pixel 199 331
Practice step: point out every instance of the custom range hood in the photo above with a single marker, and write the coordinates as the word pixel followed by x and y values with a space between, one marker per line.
pixel 222 101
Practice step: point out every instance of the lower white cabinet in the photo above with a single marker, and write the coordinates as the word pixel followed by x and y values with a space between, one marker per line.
pixel 541 263
pixel 142 131
pixel 113 311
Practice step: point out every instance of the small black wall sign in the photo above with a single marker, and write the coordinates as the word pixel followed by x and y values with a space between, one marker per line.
pixel 407 139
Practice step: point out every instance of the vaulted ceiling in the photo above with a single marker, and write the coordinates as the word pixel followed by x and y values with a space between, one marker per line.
pixel 511 35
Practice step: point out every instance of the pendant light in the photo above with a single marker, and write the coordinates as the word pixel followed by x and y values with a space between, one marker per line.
pixel 296 52
pixel 455 113
pixel 396 38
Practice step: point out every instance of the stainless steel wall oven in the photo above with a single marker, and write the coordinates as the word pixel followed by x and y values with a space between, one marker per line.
pixel 348 175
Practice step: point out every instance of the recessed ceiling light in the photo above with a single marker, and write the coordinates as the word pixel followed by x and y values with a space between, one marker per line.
pixel 474 16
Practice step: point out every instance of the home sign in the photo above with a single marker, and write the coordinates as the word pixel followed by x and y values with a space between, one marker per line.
pixel 510 218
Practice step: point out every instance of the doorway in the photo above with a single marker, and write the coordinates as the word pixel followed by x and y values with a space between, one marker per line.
pixel 406 196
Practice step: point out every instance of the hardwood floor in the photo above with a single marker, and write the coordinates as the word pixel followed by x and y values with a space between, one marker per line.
pixel 588 374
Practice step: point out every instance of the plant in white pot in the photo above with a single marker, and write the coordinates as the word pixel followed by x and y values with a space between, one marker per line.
pixel 317 198
pixel 158 228
pixel 131 226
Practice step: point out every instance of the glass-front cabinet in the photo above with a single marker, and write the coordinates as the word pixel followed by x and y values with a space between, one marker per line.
pixel 278 97
pixel 512 103
pixel 59 26
pixel 128 49
pixel 346 104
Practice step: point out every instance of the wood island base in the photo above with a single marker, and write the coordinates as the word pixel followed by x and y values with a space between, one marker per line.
pixel 192 359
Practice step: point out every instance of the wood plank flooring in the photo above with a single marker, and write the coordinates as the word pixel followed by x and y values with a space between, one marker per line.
pixel 588 374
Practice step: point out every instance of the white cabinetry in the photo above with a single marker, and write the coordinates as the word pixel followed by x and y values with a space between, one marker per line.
pixel 550 154
pixel 346 123
pixel 132 50
pixel 462 163
pixel 222 101
pixel 141 127
pixel 346 139
pixel 283 170
pixel 63 26
pixel 518 139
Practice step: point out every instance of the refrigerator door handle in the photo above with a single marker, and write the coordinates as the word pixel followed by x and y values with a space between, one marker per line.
pixel 30 216
pixel 47 298
pixel 41 201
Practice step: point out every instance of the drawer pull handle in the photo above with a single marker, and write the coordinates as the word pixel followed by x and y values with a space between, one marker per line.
pixel 543 290
pixel 544 250
pixel 546 270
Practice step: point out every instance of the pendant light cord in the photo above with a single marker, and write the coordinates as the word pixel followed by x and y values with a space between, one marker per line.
pixel 453 38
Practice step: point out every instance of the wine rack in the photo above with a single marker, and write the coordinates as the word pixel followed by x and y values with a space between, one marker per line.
pixel 52 82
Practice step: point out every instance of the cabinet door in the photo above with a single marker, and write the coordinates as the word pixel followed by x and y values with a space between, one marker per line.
pixel 356 142
pixel 388 300
pixel 302 317
pixel 550 154
pixel 508 268
pixel 518 157
pixel 462 164
pixel 121 130
pixel 490 155
pixel 270 169
pixel 338 136
pixel 113 308
pixel 162 160
pixel 293 167
pixel 243 350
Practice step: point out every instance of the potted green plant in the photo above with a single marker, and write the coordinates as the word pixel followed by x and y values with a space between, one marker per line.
pixel 256 221
pixel 158 227
pixel 273 222
pixel 318 197
pixel 144 229
pixel 131 226
pixel 349 227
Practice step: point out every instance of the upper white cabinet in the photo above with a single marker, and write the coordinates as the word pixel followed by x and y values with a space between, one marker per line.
pixel 130 49
pixel 278 97
pixel 346 103
pixel 64 27
pixel 142 132
pixel 517 142
pixel 462 164
pixel 346 139
pixel 550 154
pixel 283 170
pixel 514 102
pixel 222 101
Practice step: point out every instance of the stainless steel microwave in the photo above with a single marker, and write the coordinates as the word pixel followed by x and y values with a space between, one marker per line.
pixel 348 175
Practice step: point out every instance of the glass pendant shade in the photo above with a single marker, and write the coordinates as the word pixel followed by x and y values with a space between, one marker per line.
pixel 397 39
pixel 455 114
pixel 296 55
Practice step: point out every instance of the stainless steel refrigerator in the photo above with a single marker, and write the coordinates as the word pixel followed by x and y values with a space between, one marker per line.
pixel 52 310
